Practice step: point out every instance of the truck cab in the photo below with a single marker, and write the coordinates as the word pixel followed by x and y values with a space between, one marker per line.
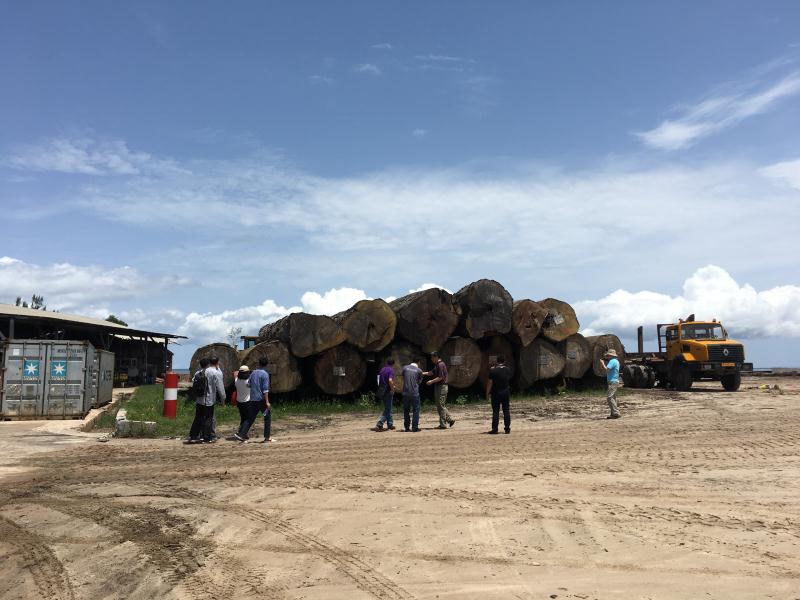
pixel 701 350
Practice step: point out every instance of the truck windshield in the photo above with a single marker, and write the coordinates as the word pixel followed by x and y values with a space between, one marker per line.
pixel 704 331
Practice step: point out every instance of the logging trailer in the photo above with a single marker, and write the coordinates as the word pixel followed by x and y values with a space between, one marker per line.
pixel 688 351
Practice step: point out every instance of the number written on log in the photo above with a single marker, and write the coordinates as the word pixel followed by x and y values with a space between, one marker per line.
pixel 338 372
pixel 456 361
pixel 545 360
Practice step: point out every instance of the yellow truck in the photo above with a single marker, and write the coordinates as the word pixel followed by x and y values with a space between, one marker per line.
pixel 688 351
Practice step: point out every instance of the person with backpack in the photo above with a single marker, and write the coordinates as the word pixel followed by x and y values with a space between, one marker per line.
pixel 259 395
pixel 499 390
pixel 207 388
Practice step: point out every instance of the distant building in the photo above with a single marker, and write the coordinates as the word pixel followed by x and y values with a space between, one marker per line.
pixel 140 356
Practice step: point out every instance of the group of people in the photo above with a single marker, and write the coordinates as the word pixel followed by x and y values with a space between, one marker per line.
pixel 498 392
pixel 252 399
pixel 252 395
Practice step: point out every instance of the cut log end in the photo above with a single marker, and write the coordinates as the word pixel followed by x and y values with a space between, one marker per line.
pixel 527 318
pixel 281 365
pixel 560 322
pixel 340 370
pixel 463 359
pixel 487 308
pixel 228 359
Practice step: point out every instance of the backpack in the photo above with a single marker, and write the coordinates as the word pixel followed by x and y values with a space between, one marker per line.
pixel 199 384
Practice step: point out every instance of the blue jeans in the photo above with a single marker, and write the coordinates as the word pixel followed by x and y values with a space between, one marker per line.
pixel 411 405
pixel 387 396
pixel 248 412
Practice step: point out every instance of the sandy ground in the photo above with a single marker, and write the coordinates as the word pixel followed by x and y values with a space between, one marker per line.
pixel 689 495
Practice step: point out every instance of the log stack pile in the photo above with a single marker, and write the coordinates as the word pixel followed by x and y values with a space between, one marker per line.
pixel 469 329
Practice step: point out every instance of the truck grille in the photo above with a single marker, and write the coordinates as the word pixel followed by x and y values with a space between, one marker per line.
pixel 735 353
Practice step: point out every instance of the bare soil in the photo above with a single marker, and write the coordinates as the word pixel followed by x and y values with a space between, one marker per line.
pixel 689 495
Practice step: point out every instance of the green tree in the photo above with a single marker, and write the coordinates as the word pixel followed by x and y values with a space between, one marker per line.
pixel 117 320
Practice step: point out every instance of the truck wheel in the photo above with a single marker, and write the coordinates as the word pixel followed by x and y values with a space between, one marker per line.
pixel 681 378
pixel 628 377
pixel 651 377
pixel 639 377
pixel 731 383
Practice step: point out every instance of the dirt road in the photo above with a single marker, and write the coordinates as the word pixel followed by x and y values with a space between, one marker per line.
pixel 689 495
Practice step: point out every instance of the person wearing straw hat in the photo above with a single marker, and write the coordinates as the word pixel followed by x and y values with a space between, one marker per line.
pixel 612 378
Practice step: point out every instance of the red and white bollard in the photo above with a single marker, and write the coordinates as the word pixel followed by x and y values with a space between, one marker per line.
pixel 171 395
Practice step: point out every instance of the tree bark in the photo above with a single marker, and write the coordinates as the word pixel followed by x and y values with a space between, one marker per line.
pixel 369 325
pixel 578 355
pixel 228 359
pixel 463 359
pixel 427 318
pixel 306 334
pixel 340 370
pixel 403 353
pixel 486 306
pixel 560 322
pixel 527 318
pixel 539 360
pixel 284 372
pixel 599 344
pixel 495 346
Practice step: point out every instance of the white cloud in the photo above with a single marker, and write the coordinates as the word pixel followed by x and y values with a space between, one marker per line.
pixel 368 69
pixel 719 112
pixel 320 79
pixel 332 301
pixel 709 293
pixel 66 286
pixel 84 155
pixel 442 58
pixel 419 132
pixel 383 46
pixel 788 172
pixel 428 286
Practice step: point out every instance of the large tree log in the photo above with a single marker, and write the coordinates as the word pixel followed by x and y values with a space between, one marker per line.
pixel 495 346
pixel 340 370
pixel 599 344
pixel 560 322
pixel 369 325
pixel 403 353
pixel 284 372
pixel 228 359
pixel 427 318
pixel 527 318
pixel 578 355
pixel 539 360
pixel 306 334
pixel 486 306
pixel 463 359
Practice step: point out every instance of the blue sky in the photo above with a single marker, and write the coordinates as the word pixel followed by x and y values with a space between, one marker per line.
pixel 194 166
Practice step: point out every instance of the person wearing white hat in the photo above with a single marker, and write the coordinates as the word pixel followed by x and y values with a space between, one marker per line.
pixel 612 378
pixel 248 411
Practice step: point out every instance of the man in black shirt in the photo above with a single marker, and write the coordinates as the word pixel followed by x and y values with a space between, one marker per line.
pixel 497 387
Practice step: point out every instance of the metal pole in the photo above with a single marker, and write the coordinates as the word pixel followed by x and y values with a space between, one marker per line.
pixel 640 338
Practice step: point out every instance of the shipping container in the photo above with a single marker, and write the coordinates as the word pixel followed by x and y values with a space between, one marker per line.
pixel 105 377
pixel 47 379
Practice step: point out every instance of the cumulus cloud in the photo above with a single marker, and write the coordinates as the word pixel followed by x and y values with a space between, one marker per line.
pixel 709 293
pixel 720 111
pixel 368 69
pixel 66 286
pixel 331 302
pixel 428 286
pixel 82 155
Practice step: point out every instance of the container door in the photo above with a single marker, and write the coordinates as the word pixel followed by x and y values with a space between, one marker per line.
pixel 66 379
pixel 23 380
pixel 105 377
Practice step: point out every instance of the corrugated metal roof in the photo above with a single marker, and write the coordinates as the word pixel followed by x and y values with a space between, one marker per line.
pixel 18 312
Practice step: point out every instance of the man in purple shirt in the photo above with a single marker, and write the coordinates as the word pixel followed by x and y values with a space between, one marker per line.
pixel 439 383
pixel 386 394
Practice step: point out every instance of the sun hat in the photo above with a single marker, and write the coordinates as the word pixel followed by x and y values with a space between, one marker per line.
pixel 244 368
pixel 611 352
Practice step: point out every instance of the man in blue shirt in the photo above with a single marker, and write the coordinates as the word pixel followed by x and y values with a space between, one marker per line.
pixel 259 391
pixel 612 377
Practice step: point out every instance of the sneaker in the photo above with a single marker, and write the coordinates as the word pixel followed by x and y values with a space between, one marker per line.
pixel 613 416
pixel 508 431
pixel 391 427
pixel 452 422
pixel 417 430
pixel 406 429
pixel 378 428
pixel 192 441
pixel 442 427
pixel 269 440
pixel 240 438
pixel 492 432
pixel 211 441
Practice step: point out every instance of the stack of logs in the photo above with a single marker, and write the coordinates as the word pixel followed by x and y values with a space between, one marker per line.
pixel 469 329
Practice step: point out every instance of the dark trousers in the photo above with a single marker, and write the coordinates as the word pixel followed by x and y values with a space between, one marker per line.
pixel 248 412
pixel 267 424
pixel 500 399
pixel 203 424
pixel 411 412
